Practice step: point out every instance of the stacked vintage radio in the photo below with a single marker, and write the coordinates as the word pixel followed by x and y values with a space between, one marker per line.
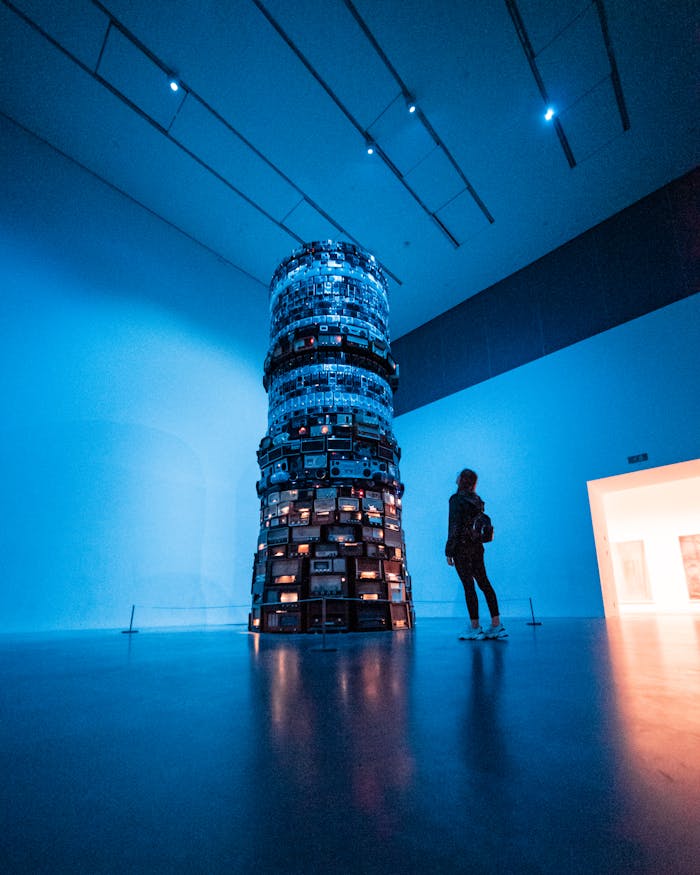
pixel 331 553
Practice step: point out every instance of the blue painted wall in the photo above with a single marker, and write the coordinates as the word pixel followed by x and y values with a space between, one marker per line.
pixel 131 363
pixel 536 435
pixel 132 407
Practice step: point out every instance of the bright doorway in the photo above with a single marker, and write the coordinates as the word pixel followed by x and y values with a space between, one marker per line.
pixel 647 534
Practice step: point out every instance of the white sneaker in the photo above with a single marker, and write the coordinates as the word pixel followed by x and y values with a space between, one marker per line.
pixel 473 634
pixel 496 631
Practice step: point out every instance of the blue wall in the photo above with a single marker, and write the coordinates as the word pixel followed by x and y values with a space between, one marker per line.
pixel 132 406
pixel 536 435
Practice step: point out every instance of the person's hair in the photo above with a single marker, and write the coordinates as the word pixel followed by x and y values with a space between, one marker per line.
pixel 467 479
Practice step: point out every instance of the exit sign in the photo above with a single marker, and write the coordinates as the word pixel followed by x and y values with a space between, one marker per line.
pixel 640 457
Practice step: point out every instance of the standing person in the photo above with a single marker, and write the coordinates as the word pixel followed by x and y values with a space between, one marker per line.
pixel 467 556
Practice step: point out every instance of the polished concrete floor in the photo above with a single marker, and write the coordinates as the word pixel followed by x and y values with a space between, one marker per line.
pixel 570 747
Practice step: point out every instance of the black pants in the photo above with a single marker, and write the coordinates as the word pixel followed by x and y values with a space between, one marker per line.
pixel 470 567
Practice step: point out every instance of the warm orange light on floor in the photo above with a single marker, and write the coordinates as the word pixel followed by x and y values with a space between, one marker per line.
pixel 655 667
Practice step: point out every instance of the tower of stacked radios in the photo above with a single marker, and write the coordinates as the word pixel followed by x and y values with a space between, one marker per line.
pixel 331 552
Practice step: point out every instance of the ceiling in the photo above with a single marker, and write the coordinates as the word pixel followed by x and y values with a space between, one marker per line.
pixel 265 142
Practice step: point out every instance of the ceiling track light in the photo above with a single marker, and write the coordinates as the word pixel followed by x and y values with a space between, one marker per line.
pixel 410 102
pixel 549 115
pixel 370 147
pixel 174 84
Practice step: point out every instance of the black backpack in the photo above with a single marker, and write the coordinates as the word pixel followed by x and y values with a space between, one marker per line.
pixel 480 529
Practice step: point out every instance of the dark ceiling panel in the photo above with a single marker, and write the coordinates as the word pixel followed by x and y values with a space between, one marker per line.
pixel 638 259
pixel 568 285
pixel 102 136
pixel 309 224
pixel 545 20
pixel 203 133
pixel 138 78
pixel 77 24
pixel 513 323
pixel 464 63
pixel 43 90
pixel 435 180
pixel 684 203
pixel 575 62
pixel 593 121
pixel 403 138
pixel 462 217
pixel 331 40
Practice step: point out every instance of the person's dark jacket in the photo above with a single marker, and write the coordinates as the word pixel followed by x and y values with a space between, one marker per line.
pixel 464 506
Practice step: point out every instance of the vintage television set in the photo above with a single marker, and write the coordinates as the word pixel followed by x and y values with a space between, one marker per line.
pixel 285 595
pixel 341 534
pixel 393 570
pixel 327 584
pixel 372 616
pixel 400 616
pixel 337 616
pixel 328 565
pixel 306 534
pixel 281 620
pixel 278 535
pixel 396 591
pixel 370 590
pixel 284 571
pixel 368 569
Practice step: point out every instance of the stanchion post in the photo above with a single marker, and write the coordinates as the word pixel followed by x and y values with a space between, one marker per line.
pixel 534 622
pixel 131 630
pixel 323 647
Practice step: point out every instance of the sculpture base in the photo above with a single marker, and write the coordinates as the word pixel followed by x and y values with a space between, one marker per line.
pixel 331 615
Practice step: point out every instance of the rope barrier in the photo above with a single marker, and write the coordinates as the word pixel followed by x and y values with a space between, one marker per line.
pixel 188 607
pixel 132 631
pixel 323 599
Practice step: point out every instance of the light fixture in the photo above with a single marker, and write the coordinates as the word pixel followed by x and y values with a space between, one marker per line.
pixel 549 115
pixel 410 103
pixel 370 147
pixel 174 85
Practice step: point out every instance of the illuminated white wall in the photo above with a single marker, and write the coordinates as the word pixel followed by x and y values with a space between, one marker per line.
pixel 132 407
pixel 657 515
pixel 536 435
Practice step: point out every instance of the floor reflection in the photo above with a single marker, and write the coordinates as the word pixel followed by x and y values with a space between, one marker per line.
pixel 334 729
pixel 484 743
pixel 567 749
pixel 655 664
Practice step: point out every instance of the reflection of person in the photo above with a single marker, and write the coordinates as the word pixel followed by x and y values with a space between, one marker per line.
pixel 467 556
pixel 484 744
